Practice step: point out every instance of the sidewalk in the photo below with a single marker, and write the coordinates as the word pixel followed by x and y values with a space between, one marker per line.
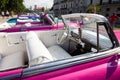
pixel 2 20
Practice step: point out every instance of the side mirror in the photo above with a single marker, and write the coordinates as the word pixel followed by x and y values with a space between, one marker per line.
pixel 56 20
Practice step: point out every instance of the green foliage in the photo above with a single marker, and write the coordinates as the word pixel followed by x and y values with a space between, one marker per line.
pixel 94 9
pixel 3 4
pixel 43 9
pixel 117 27
pixel 12 5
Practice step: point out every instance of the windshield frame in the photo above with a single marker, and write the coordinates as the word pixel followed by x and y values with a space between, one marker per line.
pixel 99 19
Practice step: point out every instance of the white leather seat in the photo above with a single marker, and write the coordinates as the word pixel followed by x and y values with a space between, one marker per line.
pixel 12 61
pixel 37 52
pixel 58 53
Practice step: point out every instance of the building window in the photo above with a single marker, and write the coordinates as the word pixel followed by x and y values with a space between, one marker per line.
pixel 71 5
pixel 118 15
pixel 107 15
pixel 118 9
pixel 107 9
pixel 81 2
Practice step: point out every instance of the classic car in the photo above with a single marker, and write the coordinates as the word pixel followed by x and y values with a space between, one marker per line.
pixel 90 52
pixel 46 22
pixel 22 19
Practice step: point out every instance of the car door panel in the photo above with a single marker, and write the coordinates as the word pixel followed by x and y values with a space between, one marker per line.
pixel 11 75
pixel 102 69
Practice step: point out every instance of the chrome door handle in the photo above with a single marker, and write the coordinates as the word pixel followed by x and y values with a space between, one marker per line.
pixel 23 29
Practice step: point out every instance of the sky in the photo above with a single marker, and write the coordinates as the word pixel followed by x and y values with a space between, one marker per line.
pixel 39 3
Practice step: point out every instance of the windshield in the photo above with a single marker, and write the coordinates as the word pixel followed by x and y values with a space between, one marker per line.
pixel 52 18
pixel 89 23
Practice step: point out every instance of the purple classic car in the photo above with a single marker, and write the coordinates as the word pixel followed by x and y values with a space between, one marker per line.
pixel 26 23
pixel 26 19
pixel 90 52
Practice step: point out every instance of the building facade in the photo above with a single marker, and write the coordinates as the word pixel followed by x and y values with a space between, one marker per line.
pixel 61 7
pixel 108 7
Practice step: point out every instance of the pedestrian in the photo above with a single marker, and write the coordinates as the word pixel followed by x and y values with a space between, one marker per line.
pixel 3 14
pixel 7 14
pixel 11 13
pixel 113 18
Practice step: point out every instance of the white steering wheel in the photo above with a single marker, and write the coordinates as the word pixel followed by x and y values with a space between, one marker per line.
pixel 62 37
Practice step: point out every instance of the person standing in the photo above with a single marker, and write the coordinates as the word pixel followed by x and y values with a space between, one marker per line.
pixel 113 18
pixel 3 14
pixel 7 14
pixel 11 13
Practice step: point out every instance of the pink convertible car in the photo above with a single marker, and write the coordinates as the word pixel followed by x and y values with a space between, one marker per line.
pixel 117 33
pixel 90 52
pixel 24 23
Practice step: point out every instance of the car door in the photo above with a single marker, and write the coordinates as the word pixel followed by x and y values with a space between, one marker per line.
pixel 100 65
pixel 11 74
pixel 101 69
pixel 39 27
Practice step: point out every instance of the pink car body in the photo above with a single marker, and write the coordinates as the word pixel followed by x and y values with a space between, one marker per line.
pixel 103 64
pixel 103 69
pixel 117 33
pixel 47 23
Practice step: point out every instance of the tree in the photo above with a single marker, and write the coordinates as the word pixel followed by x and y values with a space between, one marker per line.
pixel 42 9
pixel 12 5
pixel 20 6
pixel 16 6
pixel 3 4
pixel 94 9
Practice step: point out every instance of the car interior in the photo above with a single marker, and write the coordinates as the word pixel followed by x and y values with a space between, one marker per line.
pixel 26 49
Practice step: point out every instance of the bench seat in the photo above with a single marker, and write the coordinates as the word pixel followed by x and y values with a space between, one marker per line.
pixel 58 53
pixel 12 61
pixel 39 53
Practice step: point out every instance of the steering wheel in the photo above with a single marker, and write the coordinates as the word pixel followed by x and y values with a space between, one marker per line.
pixel 62 36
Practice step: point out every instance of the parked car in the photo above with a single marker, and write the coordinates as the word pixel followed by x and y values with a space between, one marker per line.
pixel 31 18
pixel 26 19
pixel 12 21
pixel 90 52
pixel 46 22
